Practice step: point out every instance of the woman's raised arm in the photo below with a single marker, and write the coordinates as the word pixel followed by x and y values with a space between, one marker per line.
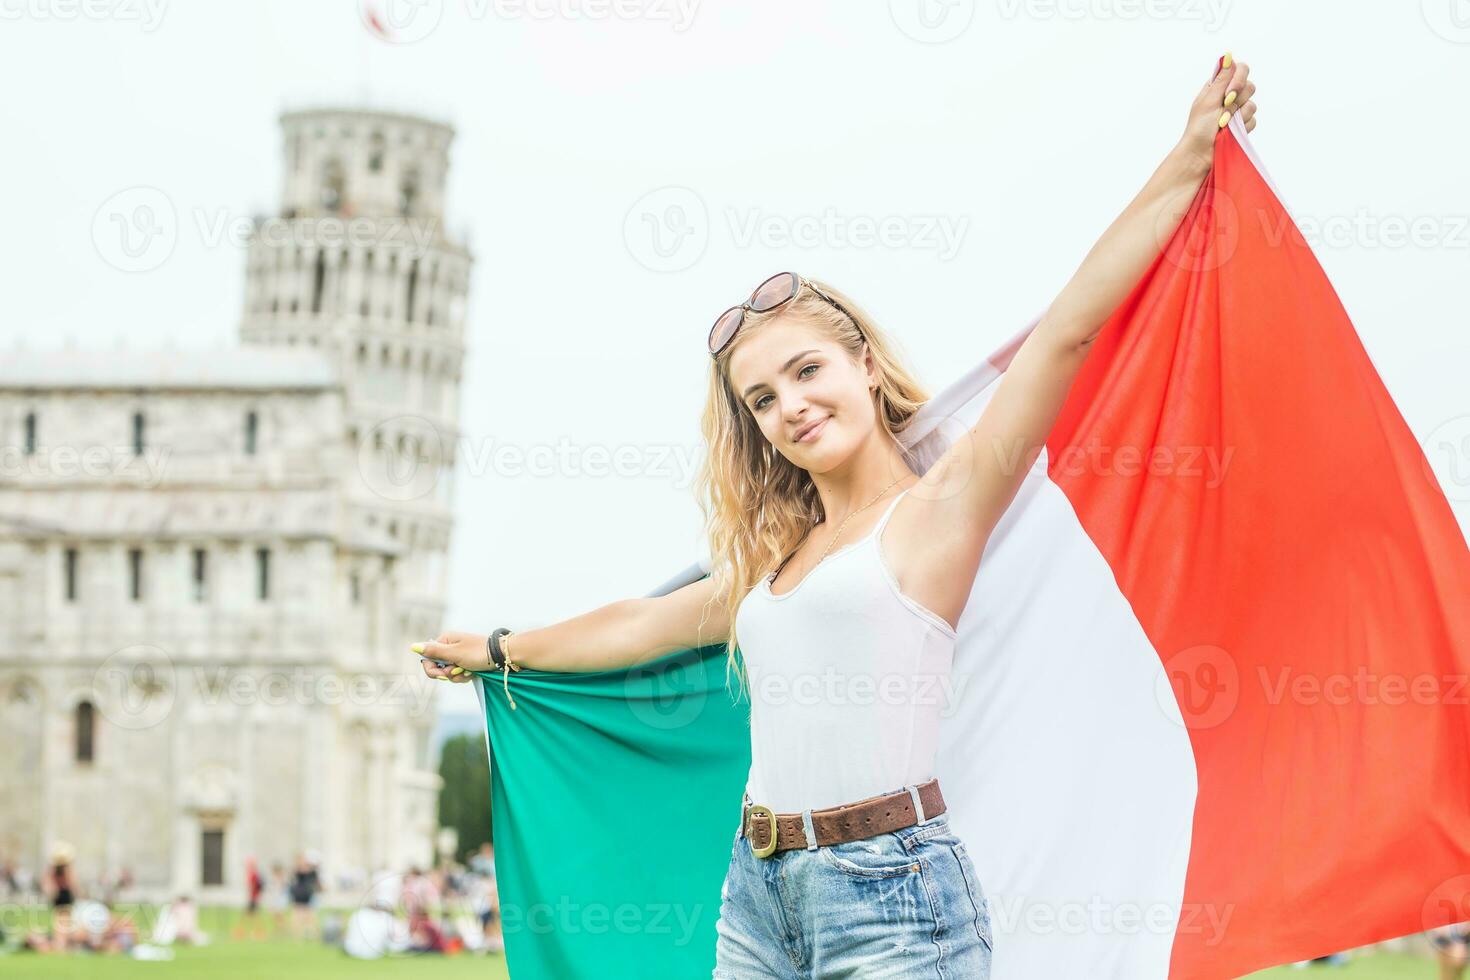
pixel 974 482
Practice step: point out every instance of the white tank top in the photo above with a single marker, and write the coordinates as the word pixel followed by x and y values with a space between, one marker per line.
pixel 848 680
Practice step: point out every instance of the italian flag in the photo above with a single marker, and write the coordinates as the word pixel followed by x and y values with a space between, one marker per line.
pixel 1208 709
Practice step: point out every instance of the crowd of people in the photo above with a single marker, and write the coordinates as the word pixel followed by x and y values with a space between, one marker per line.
pixel 451 909
pixel 447 909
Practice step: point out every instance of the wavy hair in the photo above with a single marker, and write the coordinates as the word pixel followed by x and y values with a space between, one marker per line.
pixel 758 505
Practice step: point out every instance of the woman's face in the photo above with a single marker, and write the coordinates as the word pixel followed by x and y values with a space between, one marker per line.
pixel 812 403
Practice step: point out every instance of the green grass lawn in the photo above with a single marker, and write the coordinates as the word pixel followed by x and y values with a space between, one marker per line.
pixel 276 958
pixel 1382 966
pixel 279 958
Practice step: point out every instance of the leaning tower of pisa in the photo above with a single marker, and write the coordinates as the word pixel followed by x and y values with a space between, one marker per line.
pixel 360 265
pixel 204 630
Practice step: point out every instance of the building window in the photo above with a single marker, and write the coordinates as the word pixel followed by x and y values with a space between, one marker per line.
pixel 413 287
pixel 375 153
pixel 318 281
pixel 200 582
pixel 138 427
pixel 252 429
pixel 70 574
pixel 333 185
pixel 30 433
pixel 355 584
pixel 86 731
pixel 408 193
pixel 135 574
pixel 212 857
pixel 262 573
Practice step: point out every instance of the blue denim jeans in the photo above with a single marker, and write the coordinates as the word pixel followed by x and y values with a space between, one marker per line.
pixel 905 904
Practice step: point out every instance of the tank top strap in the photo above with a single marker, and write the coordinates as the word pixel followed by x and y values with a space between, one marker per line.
pixel 888 512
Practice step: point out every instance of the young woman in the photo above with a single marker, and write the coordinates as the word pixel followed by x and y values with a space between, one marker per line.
pixel 842 572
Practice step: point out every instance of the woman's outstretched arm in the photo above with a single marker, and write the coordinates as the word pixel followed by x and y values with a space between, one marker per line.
pixel 617 635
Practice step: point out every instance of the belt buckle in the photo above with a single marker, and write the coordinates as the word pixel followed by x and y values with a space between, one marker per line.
pixel 755 812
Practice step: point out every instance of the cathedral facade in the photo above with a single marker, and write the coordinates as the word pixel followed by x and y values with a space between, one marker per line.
pixel 212 563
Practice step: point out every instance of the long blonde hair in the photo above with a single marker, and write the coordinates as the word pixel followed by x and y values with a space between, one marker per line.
pixel 758 505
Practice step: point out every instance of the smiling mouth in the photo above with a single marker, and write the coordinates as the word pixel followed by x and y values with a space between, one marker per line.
pixel 812 432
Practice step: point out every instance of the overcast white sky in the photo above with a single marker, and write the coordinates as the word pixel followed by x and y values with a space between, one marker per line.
pixel 1002 137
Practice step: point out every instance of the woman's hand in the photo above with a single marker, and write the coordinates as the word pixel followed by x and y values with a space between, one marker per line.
pixel 465 652
pixel 1227 93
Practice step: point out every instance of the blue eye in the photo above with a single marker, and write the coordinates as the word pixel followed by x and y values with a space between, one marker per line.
pixel 761 401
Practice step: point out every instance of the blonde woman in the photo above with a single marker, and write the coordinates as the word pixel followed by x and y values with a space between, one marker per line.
pixel 836 563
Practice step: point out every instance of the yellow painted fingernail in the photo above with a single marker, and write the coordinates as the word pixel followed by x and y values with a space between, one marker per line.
pixel 441 677
pixel 1228 60
pixel 1230 98
pixel 417 648
pixel 456 670
pixel 1224 119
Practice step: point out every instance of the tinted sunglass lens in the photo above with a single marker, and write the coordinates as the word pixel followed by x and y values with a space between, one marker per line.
pixel 773 292
pixel 725 328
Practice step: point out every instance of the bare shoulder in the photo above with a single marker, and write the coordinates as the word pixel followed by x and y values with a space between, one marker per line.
pixel 933 542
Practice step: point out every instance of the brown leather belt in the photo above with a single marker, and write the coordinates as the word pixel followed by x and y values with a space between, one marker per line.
pixel 771 832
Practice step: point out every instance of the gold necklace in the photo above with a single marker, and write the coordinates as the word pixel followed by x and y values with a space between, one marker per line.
pixel 850 517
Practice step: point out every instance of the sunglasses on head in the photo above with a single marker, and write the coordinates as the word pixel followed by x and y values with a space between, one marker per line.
pixel 776 291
